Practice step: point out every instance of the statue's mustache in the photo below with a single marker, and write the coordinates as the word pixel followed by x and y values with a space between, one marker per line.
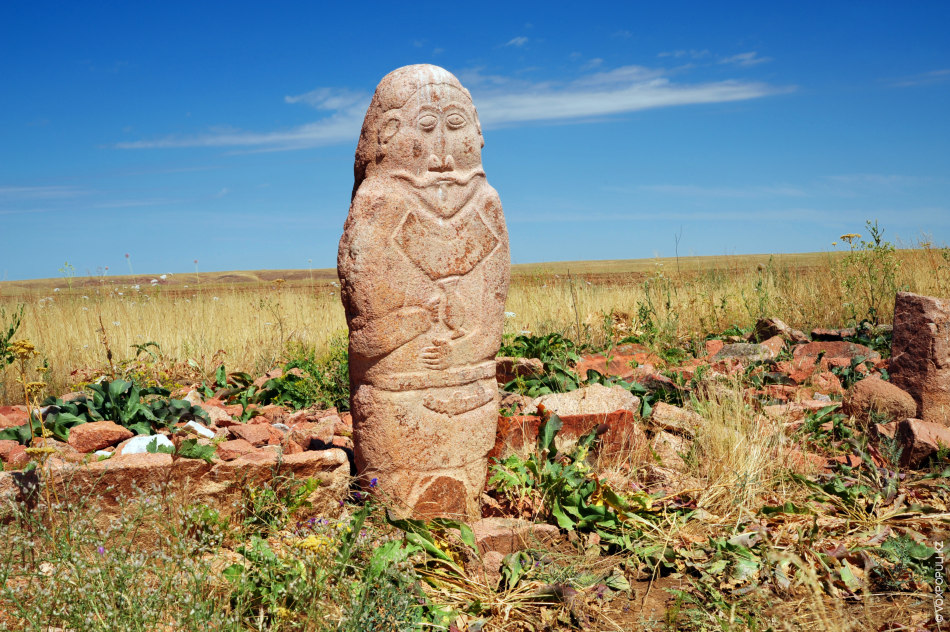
pixel 431 179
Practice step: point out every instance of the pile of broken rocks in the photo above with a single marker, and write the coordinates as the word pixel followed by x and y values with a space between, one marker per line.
pixel 909 392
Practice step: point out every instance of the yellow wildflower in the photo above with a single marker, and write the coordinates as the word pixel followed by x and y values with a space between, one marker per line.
pixel 23 349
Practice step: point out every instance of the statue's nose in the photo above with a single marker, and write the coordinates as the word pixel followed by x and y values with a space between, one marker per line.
pixel 441 166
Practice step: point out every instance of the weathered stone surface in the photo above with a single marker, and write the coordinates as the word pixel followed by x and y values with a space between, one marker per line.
pixel 744 352
pixel 96 435
pixel 507 535
pixel 920 440
pixel 507 369
pixel 674 419
pixel 219 485
pixel 590 400
pixel 424 267
pixel 920 354
pixel 874 395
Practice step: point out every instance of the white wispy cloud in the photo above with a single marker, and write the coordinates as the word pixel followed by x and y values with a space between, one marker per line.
pixel 501 100
pixel 519 41
pixel 582 100
pixel 330 98
pixel 754 191
pixel 750 58
pixel 41 192
pixel 922 79
pixel 680 54
pixel 878 179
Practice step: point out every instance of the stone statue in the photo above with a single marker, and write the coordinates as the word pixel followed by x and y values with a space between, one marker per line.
pixel 424 267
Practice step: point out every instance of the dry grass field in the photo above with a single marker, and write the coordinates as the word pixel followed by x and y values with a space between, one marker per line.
pixel 247 319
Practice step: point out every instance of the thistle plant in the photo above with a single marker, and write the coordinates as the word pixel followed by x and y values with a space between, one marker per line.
pixel 869 274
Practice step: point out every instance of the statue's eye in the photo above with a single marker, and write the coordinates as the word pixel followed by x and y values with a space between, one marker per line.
pixel 455 120
pixel 428 122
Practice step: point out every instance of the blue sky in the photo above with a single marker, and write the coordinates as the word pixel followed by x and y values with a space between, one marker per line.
pixel 225 132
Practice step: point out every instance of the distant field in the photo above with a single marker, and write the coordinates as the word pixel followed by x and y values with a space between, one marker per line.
pixel 616 270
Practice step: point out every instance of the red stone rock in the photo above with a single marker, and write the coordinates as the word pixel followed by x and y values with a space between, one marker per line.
pixel 796 410
pixel 274 413
pixel 766 328
pixel 622 431
pixel 12 416
pixel 17 456
pixel 888 430
pixel 874 395
pixel 92 436
pixel 342 428
pixel 233 449
pixel 802 462
pixel 675 419
pixel 775 344
pixel 845 459
pixel 308 433
pixel 256 434
pixel 5 446
pixel 714 346
pixel 836 349
pixel 235 410
pixel 920 359
pixel 507 535
pixel 270 375
pixel 827 382
pixel 288 446
pixel 219 417
pixel 342 442
pixel 669 450
pixel 623 360
pixel 920 440
pixel 799 369
pixel 507 369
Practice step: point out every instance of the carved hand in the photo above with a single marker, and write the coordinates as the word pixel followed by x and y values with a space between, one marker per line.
pixel 436 357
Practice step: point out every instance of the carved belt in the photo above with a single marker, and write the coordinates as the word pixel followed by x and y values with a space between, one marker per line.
pixel 419 380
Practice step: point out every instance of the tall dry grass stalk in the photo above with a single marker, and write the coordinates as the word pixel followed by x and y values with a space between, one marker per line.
pixel 249 326
pixel 737 454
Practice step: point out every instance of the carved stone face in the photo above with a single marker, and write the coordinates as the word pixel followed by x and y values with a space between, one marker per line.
pixel 434 143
